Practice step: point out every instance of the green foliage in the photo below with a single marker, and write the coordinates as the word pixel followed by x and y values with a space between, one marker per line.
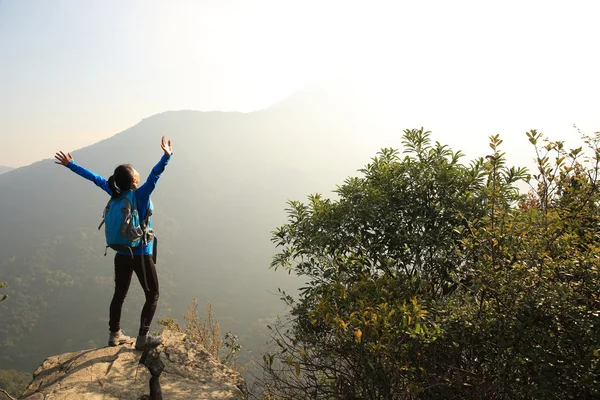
pixel 376 259
pixel 14 382
pixel 528 319
pixel 428 278
pixel 38 284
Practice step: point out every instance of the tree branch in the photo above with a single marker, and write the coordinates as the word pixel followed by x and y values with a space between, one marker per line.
pixel 8 395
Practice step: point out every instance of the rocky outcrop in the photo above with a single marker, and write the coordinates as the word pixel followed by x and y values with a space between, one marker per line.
pixel 183 370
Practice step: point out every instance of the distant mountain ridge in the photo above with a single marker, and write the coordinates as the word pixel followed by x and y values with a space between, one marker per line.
pixel 222 194
pixel 4 169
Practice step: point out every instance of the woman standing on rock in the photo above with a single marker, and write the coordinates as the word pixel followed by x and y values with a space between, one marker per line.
pixel 139 259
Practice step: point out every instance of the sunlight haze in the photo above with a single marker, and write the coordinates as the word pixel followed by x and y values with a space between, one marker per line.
pixel 73 73
pixel 272 108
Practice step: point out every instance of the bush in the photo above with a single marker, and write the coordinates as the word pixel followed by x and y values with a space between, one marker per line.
pixel 207 333
pixel 432 279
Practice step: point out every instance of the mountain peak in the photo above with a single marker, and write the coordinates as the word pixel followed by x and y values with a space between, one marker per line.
pixel 185 370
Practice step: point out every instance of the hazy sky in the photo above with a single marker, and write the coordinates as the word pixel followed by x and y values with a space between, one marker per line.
pixel 73 72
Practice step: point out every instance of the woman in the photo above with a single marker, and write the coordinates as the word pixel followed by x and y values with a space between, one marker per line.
pixel 127 178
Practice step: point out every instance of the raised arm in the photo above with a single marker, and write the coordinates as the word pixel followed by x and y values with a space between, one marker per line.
pixel 67 161
pixel 146 189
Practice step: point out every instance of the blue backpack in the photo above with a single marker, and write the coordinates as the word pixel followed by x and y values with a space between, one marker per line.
pixel 124 231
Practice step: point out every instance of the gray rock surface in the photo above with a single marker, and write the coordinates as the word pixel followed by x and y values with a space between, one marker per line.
pixel 107 373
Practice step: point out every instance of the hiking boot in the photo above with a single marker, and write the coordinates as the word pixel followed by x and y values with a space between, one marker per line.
pixel 147 342
pixel 119 338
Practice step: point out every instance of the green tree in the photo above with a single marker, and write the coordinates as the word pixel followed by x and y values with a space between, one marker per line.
pixel 375 261
pixel 432 279
pixel 527 325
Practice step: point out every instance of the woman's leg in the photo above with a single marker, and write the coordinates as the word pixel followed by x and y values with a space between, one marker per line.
pixel 123 272
pixel 151 291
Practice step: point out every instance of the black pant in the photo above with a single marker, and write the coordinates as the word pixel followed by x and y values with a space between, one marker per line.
pixel 125 265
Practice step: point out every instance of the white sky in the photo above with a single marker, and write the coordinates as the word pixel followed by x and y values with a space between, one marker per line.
pixel 74 72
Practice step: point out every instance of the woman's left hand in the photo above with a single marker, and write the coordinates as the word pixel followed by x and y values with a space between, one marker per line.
pixel 166 146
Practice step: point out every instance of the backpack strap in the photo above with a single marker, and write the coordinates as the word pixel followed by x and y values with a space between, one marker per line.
pixel 104 216
pixel 144 239
pixel 147 219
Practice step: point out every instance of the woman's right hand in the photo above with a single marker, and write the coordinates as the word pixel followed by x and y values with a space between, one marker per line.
pixel 62 158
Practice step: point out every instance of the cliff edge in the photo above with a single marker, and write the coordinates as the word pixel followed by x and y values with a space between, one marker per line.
pixel 182 370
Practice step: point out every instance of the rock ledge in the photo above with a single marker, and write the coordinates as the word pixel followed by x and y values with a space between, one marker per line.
pixel 108 373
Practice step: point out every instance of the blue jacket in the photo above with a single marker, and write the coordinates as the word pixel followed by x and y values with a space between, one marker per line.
pixel 142 194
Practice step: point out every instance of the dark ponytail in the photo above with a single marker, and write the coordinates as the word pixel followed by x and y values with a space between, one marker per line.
pixel 121 180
